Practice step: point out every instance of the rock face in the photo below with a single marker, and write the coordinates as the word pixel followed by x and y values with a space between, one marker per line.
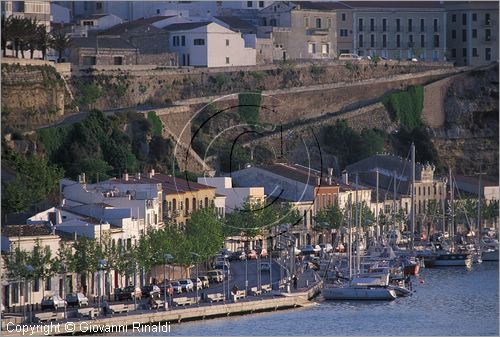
pixel 469 137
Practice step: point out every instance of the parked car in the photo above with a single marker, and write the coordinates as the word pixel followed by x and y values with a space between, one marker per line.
pixel 326 247
pixel 204 282
pixel 307 250
pixel 129 293
pixel 151 291
pixel 349 57
pixel 265 266
pixel 77 300
pixel 263 253
pixel 53 302
pixel 186 285
pixel 224 269
pixel 170 289
pixel 215 276
pixel 252 255
pixel 220 264
pixel 238 256
pixel 317 249
pixel 177 287
pixel 197 284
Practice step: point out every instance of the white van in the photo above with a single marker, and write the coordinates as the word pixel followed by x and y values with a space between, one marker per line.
pixel 349 57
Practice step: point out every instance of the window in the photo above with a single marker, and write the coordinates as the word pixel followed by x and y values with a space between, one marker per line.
pixel 48 284
pixel 98 6
pixel 436 28
pixel 343 17
pixel 453 34
pixel 88 23
pixel 487 19
pixel 410 41
pixel 157 11
pixel 89 60
pixel 227 60
pixel 474 52
pixel 329 22
pixel 249 4
pixel 464 35
pixel 311 48
pixel 325 49
pixel 474 16
pixel 487 34
pixel 384 41
pixel 398 25
pixel 227 42
pixel 436 41
pixel 384 25
pixel 398 41
pixel 36 285
pixel 360 39
pixel 199 42
pixel 360 25
pixel 175 41
pixel 261 4
pixel 183 40
pixel 474 33
pixel 487 54
pixel 117 60
pixel 318 23
pixel 419 190
pixel 372 25
pixel 272 22
pixel 464 18
pixel 454 18
pixel 372 41
pixel 422 41
pixel 306 22
pixel 410 24
pixel 422 25
pixel 343 32
pixel 464 52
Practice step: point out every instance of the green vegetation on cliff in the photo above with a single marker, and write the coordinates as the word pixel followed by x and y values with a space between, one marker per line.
pixel 99 147
pixel 405 107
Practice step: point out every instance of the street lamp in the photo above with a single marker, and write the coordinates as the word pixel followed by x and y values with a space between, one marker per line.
pixel 101 267
pixel 64 270
pixel 29 272
pixel 167 258
pixel 197 284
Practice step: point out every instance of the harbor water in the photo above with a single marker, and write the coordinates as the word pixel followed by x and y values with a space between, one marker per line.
pixel 446 301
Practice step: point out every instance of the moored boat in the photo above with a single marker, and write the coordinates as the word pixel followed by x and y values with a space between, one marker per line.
pixel 490 255
pixel 452 259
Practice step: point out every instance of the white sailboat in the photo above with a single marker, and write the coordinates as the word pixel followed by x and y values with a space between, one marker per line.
pixel 359 288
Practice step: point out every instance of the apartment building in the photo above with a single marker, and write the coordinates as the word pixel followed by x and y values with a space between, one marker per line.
pixel 301 30
pixel 399 30
pixel 472 32
pixel 396 170
pixel 208 44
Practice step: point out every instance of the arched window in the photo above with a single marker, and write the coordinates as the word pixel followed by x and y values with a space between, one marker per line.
pixel 206 202
pixel 194 204
pixel 174 204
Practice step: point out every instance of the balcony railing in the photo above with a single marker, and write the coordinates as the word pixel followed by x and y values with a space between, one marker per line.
pixel 487 22
pixel 318 31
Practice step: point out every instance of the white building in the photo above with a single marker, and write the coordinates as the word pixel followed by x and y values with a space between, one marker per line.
pixel 208 44
pixel 100 21
pixel 235 196
pixel 60 14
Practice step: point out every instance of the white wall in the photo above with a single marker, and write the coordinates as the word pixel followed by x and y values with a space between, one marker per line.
pixel 218 50
pixel 59 13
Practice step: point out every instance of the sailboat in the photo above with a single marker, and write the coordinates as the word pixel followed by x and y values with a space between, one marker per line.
pixel 359 287
pixel 448 257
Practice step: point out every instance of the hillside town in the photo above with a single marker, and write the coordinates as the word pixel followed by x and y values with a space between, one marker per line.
pixel 175 160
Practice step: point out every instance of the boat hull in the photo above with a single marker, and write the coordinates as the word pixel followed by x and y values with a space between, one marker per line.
pixel 400 291
pixel 452 260
pixel 355 293
pixel 412 269
pixel 490 255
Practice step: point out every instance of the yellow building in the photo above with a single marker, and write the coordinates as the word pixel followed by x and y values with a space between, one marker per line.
pixel 181 198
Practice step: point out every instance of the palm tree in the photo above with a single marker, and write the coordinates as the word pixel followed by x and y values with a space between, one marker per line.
pixel 6 33
pixel 60 42
pixel 31 35
pixel 42 40
pixel 17 31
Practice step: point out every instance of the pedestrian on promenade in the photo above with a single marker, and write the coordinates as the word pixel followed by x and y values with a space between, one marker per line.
pixel 295 282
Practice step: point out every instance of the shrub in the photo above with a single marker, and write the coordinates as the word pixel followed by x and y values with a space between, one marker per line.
pixel 157 125
pixel 316 70
pixel 249 106
pixel 406 107
pixel 258 75
pixel 120 90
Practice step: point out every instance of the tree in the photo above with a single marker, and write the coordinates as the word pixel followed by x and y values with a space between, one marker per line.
pixel 18 33
pixel 31 35
pixel 204 233
pixel 6 33
pixel 44 266
pixel 60 42
pixel 42 40
pixel 87 254
pixel 16 196
pixel 331 217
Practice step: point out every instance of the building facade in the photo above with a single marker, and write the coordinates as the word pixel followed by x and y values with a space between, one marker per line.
pixel 472 32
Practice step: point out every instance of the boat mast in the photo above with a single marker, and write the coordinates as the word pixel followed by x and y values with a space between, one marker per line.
pixel 412 195
pixel 349 251
pixel 358 257
pixel 376 209
pixel 394 205
pixel 479 192
pixel 452 215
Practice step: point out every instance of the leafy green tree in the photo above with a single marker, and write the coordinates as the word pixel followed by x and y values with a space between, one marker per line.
pixel 15 197
pixel 87 254
pixel 42 40
pixel 331 217
pixel 204 233
pixel 6 33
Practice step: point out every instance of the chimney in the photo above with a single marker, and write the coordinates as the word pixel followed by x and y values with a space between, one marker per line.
pixel 151 173
pixel 345 177
pixel 330 175
pixel 138 175
pixel 125 176
pixel 318 181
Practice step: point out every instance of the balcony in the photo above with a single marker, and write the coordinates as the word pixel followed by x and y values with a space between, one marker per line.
pixel 318 31
pixel 488 39
pixel 487 23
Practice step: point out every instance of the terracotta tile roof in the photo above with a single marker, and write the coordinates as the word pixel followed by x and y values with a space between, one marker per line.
pixel 26 230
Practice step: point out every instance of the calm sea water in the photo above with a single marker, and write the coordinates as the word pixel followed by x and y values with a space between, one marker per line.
pixel 451 301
